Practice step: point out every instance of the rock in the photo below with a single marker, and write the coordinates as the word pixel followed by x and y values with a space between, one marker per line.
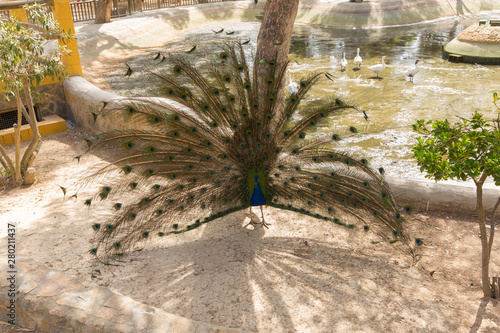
pixel 29 176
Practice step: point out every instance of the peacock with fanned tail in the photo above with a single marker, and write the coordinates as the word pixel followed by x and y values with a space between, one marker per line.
pixel 216 150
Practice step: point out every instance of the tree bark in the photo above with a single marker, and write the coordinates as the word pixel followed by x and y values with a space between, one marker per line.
pixel 6 161
pixel 36 143
pixel 485 253
pixel 273 42
pixel 103 11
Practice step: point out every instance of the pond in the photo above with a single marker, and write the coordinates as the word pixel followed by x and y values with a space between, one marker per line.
pixel 440 90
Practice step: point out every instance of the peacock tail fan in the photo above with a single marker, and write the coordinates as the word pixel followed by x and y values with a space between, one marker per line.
pixel 210 148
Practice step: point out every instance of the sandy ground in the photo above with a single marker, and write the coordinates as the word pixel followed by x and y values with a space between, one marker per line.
pixel 301 275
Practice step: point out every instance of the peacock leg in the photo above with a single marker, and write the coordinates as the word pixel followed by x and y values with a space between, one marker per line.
pixel 263 219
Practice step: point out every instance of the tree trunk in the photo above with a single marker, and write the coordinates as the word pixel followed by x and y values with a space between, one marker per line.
pixel 103 11
pixel 485 253
pixel 36 143
pixel 273 42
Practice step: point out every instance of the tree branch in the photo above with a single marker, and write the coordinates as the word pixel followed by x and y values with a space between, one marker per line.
pixel 35 144
pixel 492 224
pixel 6 159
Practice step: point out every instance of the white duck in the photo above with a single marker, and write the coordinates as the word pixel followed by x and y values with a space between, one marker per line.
pixel 379 67
pixel 358 60
pixel 413 71
pixel 292 87
pixel 343 63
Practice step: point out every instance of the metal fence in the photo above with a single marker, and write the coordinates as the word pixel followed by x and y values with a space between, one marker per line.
pixel 85 10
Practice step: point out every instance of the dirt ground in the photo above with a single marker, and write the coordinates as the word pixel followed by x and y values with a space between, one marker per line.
pixel 301 275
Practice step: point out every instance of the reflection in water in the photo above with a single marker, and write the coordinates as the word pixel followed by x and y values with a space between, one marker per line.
pixel 440 90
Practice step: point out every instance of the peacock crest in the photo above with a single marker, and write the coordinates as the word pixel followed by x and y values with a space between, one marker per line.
pixel 212 149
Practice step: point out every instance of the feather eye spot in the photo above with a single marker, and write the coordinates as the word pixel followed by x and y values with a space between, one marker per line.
pixel 133 185
pixel 88 202
pixel 347 162
pixel 331 185
pixel 336 137
pixel 223 55
pixel 96 226
pixel 118 206
pixel 145 234
pixel 302 135
pixel 161 234
pixel 366 228
pixel 133 216
pixel 364 161
pixel 171 201
pixel 170 91
pixel 174 176
pixel 109 227
pixel 159 211
pixel 240 68
pixel 93 251
pixel 130 144
pixel 227 78
pixel 176 118
pixel 127 169
pixel 131 110
pixel 419 241
pixel 175 226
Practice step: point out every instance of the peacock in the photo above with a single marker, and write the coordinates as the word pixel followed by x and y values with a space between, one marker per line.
pixel 211 149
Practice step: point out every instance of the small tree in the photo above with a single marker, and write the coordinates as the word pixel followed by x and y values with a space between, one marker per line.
pixel 24 65
pixel 469 149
